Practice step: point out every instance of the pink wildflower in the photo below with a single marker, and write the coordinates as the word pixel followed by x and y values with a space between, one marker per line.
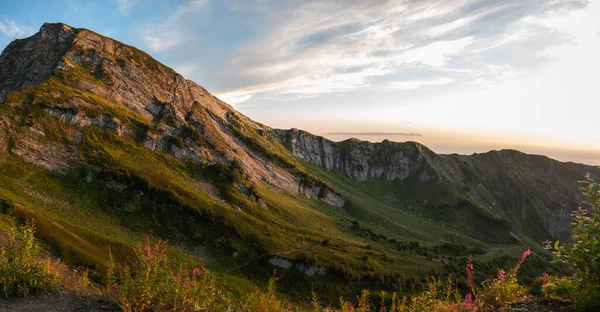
pixel 147 250
pixel 256 289
pixel 526 254
pixel 196 271
pixel 469 304
pixel 545 278
pixel 351 308
pixel 468 298
pixel 470 264
pixel 164 250
pixel 501 274
pixel 155 250
pixel 134 264
pixel 470 279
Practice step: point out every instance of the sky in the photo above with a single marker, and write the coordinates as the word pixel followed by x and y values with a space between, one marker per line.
pixel 457 76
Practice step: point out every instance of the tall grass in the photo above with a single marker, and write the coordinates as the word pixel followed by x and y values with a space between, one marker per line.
pixel 22 272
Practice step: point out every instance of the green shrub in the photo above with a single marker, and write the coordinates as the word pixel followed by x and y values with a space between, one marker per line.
pixel 583 253
pixel 21 271
pixel 557 288
pixel 7 207
pixel 505 289
pixel 265 301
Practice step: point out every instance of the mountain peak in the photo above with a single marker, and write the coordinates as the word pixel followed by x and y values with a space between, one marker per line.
pixel 29 61
pixel 57 28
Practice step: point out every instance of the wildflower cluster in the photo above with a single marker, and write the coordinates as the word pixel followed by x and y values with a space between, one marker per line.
pixel 505 288
pixel 152 282
pixel 441 295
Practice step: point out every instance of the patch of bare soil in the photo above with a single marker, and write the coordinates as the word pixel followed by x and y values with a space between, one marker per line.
pixel 58 301
pixel 542 306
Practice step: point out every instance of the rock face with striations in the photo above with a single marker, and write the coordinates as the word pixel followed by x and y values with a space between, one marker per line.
pixel 361 160
pixel 26 62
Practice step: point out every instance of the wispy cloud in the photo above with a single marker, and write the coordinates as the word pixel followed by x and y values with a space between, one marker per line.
pixel 14 30
pixel 72 5
pixel 413 84
pixel 163 40
pixel 377 133
pixel 323 47
pixel 125 6
pixel 304 48
pixel 171 31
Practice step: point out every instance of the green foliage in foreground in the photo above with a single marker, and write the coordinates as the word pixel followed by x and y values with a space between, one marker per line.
pixel 21 272
pixel 582 255
pixel 153 283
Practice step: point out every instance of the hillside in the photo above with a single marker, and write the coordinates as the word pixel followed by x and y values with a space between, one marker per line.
pixel 103 145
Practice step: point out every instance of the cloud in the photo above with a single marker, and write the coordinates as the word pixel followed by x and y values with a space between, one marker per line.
pixel 11 29
pixel 377 133
pixel 315 47
pixel 163 40
pixel 414 84
pixel 124 6
pixel 171 30
pixel 72 5
pixel 304 48
pixel 235 98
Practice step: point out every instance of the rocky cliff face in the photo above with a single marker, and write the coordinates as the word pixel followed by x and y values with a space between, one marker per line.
pixel 26 62
pixel 361 160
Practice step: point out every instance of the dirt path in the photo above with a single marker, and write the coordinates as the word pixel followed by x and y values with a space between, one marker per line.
pixel 545 306
pixel 59 301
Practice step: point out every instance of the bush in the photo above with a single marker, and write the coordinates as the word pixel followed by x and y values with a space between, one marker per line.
pixel 21 271
pixel 582 255
pixel 505 289
pixel 266 301
pixel 153 283
pixel 557 288
pixel 7 207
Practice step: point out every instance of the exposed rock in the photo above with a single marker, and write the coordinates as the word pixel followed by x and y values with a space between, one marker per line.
pixel 311 270
pixel 281 262
pixel 29 61
pixel 333 200
pixel 48 155
pixel 360 160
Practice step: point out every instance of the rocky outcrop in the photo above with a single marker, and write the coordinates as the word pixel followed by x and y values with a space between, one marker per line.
pixel 26 62
pixel 309 270
pixel 361 160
